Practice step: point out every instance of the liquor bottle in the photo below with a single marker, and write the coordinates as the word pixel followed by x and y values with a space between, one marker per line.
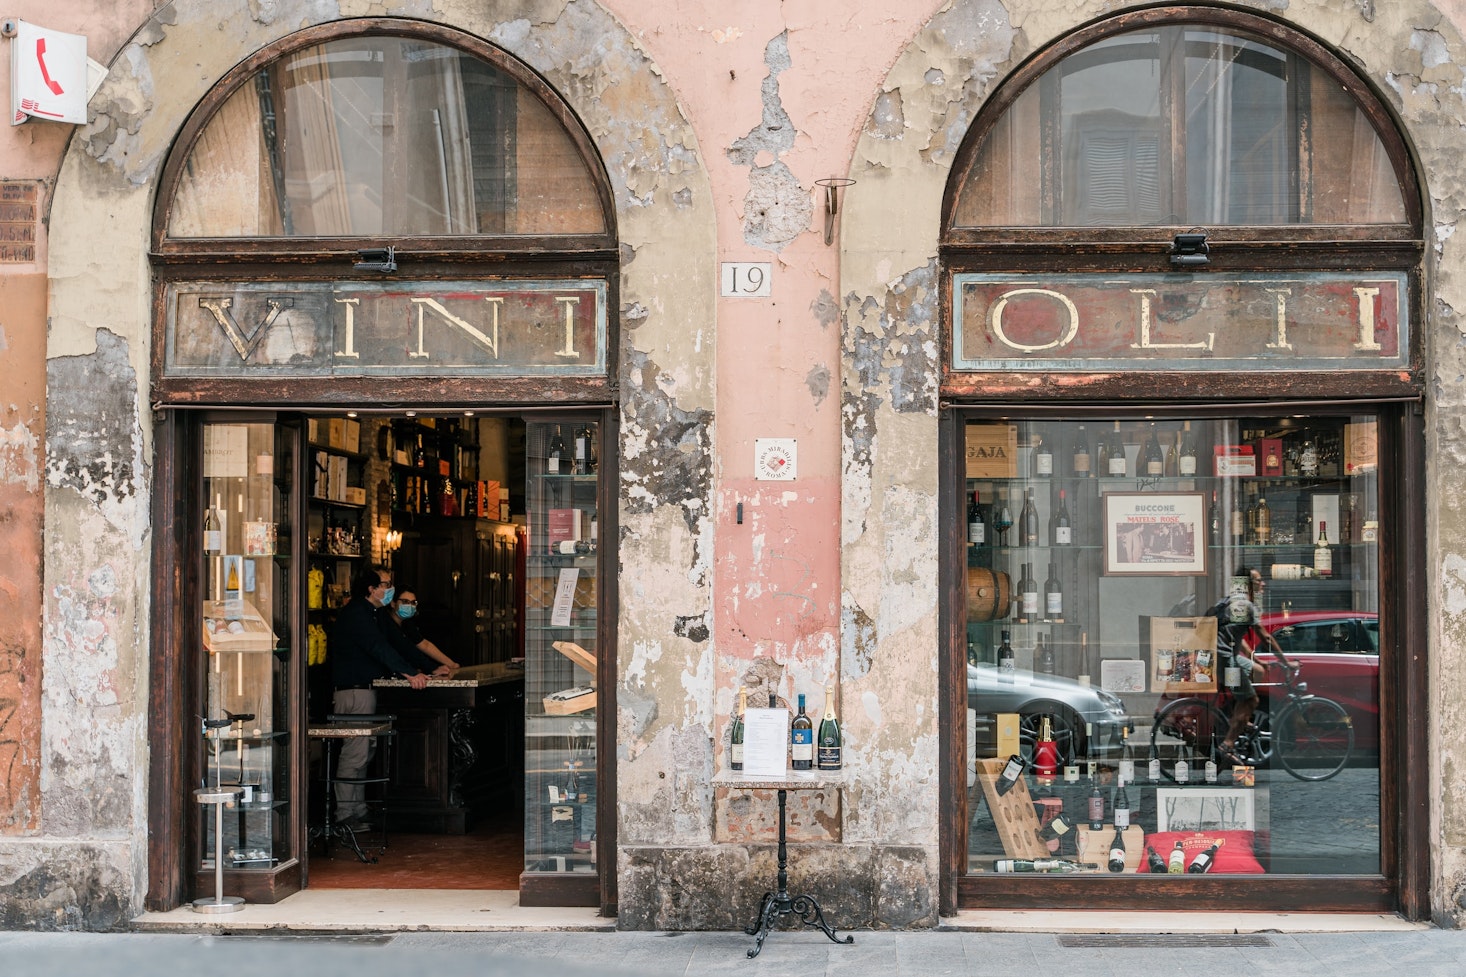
pixel 1116 461
pixel 1308 460
pixel 1002 517
pixel 1323 557
pixel 581 463
pixel 1061 527
pixel 1173 456
pixel 556 452
pixel 1046 753
pixel 213 535
pixel 1237 524
pixel 1186 464
pixel 1027 596
pixel 1154 863
pixel 1028 521
pixel 735 738
pixel 976 524
pixel 1058 836
pixel 829 750
pixel 1007 663
pixel 1096 808
pixel 1117 850
pixel 1045 656
pixel 1203 862
pixel 1053 602
pixel 1155 459
pixel 1264 522
pixel 1043 457
pixel 1177 862
pixel 801 739
pixel 1081 462
pixel 1011 771
pixel 1054 865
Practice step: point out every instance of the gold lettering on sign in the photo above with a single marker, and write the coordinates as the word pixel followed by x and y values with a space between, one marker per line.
pixel 569 302
pixel 995 319
pixel 489 340
pixel 1145 321
pixel 1366 297
pixel 349 352
pixel 1280 337
pixel 243 345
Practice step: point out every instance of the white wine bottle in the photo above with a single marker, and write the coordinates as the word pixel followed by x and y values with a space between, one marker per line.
pixel 1177 863
pixel 828 749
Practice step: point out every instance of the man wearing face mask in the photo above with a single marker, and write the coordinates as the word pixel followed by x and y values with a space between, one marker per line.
pixel 361 652
pixel 399 619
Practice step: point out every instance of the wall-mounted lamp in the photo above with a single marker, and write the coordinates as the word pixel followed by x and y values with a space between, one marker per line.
pixel 377 259
pixel 391 544
pixel 1189 249
pixel 833 185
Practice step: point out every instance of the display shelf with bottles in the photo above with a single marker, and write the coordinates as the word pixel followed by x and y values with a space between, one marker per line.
pixel 338 537
pixel 561 640
pixel 435 470
pixel 248 628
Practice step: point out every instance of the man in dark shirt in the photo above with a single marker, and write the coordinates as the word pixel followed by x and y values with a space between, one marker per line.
pixel 360 654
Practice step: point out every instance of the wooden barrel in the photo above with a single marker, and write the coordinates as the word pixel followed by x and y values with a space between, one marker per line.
pixel 988 594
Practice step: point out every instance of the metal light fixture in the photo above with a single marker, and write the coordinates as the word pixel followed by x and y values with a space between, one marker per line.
pixel 1189 249
pixel 833 185
pixel 377 259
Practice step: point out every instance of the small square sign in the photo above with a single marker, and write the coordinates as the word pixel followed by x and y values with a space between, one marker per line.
pixel 775 459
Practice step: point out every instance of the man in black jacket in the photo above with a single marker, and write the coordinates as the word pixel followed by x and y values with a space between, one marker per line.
pixel 361 653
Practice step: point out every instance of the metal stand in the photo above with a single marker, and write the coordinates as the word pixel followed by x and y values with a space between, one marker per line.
pixel 331 828
pixel 218 796
pixel 777 905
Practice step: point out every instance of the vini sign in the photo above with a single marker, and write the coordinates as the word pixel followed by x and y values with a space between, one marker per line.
pixel 1327 321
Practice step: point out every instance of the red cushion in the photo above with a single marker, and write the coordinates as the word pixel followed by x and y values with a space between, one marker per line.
pixel 1234 857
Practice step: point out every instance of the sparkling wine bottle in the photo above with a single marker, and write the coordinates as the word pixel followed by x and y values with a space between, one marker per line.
pixel 1046 753
pixel 829 739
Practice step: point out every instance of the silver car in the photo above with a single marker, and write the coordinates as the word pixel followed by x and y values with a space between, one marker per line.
pixel 1069 705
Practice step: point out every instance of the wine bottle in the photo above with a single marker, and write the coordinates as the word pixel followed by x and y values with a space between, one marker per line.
pixel 1153 769
pixel 1043 457
pixel 976 525
pixel 556 453
pixel 1173 456
pixel 1061 527
pixel 1203 862
pixel 213 535
pixel 1045 753
pixel 801 739
pixel 1058 835
pixel 1127 760
pixel 1028 521
pixel 829 751
pixel 1186 464
pixel 582 462
pixel 1237 524
pixel 1323 557
pixel 1117 467
pixel 1264 522
pixel 735 737
pixel 1214 522
pixel 1081 461
pixel 1117 850
pixel 1054 865
pixel 1027 596
pixel 1007 663
pixel 1154 863
pixel 1209 770
pixel 1009 775
pixel 1177 862
pixel 1155 459
pixel 1091 765
pixel 1096 807
pixel 1183 770
pixel 1053 602
pixel 1122 806
pixel 1045 656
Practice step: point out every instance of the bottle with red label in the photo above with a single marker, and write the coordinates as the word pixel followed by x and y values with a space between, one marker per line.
pixel 1046 753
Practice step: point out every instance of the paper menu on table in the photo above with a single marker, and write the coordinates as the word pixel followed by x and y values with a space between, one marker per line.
pixel 765 742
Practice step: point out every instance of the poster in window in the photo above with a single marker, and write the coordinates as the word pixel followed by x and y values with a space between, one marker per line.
pixel 1155 534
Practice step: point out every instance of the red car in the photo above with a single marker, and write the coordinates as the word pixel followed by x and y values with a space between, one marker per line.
pixel 1339 652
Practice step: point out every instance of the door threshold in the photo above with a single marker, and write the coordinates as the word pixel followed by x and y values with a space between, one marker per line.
pixel 383 911
pixel 1197 921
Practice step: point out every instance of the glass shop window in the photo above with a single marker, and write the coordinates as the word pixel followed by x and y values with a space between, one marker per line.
pixel 1122 578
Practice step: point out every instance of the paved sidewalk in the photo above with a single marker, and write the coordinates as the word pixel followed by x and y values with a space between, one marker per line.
pixel 1418 952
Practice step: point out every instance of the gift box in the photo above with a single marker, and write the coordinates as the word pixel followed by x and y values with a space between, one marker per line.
pixel 1234 460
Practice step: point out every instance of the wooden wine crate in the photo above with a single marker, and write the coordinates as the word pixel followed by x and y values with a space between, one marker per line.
pixel 1013 813
pixel 1094 846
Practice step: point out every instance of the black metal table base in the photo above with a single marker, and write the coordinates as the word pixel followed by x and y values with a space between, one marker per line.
pixel 777 905
pixel 342 833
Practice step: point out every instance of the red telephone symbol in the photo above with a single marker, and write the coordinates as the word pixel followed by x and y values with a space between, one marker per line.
pixel 55 86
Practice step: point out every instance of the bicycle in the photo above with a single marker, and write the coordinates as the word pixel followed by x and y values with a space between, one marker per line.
pixel 1312 737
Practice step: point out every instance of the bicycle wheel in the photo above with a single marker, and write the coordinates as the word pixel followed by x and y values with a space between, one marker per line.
pixel 1313 738
pixel 1196 723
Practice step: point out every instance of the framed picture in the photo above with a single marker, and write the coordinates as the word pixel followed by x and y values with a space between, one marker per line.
pixel 1206 809
pixel 1155 534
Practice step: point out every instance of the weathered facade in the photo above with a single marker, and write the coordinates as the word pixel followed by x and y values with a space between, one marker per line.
pixel 713 126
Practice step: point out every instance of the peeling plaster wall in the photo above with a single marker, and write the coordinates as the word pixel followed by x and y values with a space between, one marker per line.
pixel 1410 50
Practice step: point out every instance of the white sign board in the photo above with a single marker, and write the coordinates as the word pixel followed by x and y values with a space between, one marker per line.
pixel 48 75
pixel 747 279
pixel 765 742
pixel 564 597
pixel 775 459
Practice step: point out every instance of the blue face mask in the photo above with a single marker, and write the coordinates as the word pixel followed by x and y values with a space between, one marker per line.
pixel 406 611
pixel 387 597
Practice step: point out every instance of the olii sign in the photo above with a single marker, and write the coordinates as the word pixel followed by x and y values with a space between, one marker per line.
pixel 1186 322
pixel 423 329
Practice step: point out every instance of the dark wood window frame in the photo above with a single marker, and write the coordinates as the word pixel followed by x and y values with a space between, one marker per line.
pixel 172 818
pixel 1396 396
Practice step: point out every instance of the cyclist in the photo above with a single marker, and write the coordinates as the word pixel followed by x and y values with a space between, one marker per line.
pixel 1238 620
